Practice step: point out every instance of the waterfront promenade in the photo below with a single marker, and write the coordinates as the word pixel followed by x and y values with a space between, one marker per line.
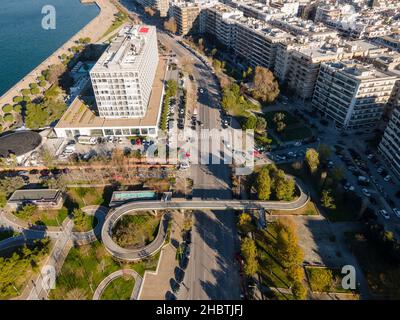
pixel 95 29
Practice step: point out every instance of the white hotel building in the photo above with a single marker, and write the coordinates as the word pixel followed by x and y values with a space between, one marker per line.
pixel 128 84
pixel 123 76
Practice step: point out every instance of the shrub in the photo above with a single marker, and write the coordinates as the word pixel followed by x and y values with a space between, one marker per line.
pixel 41 78
pixel 7 108
pixel 26 98
pixel 8 117
pixel 33 85
pixel 42 83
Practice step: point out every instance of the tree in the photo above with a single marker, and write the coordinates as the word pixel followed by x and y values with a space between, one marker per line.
pixel 244 219
pixel 299 291
pixel 217 65
pixel 325 152
pixel 279 117
pixel 54 73
pixel 321 279
pixel 327 201
pixel 150 11
pixel 289 252
pixel 250 123
pixel 17 108
pixel 263 184
pixel 284 187
pixel 265 86
pixel 337 173
pixel 8 117
pixel 172 87
pixel 170 25
pixel 7 108
pixel 280 126
pixel 261 124
pixel 249 252
pixel 312 159
pixel 17 99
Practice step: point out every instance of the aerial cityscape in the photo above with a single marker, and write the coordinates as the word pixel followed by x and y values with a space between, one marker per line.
pixel 200 150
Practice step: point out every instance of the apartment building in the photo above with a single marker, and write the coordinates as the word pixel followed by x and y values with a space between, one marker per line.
pixel 297 64
pixel 257 41
pixel 123 76
pixel 162 6
pixel 221 23
pixel 187 17
pixel 352 94
pixel 390 143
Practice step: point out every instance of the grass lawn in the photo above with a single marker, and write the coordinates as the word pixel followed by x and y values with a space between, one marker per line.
pixel 86 266
pixel 118 21
pixel 135 231
pixel 344 211
pixel 313 274
pixel 87 224
pixel 295 129
pixel 383 275
pixel 119 289
pixel 50 218
pixel 82 196
pixel 271 271
pixel 308 210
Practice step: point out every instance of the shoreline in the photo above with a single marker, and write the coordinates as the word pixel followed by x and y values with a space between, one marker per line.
pixel 93 29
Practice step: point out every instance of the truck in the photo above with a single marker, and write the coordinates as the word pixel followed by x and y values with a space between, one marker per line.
pixel 87 140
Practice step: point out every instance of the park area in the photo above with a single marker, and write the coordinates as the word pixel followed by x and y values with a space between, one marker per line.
pixel 136 231
pixel 294 128
pixel 119 289
pixel 86 266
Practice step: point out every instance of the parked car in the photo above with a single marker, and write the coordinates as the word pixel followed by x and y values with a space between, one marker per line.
pixel 396 212
pixel 384 214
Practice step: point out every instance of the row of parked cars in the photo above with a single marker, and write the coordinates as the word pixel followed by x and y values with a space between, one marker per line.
pixel 183 263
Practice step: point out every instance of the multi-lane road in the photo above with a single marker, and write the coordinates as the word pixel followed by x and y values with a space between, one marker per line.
pixel 211 273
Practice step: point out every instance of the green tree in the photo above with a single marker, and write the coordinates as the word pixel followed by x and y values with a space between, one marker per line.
pixel 217 65
pixel 265 85
pixel 337 173
pixel 289 252
pixel 312 159
pixel 299 291
pixel 172 88
pixel 321 279
pixel 17 99
pixel 8 117
pixel 325 152
pixel 280 126
pixel 327 201
pixel 17 108
pixel 250 123
pixel 249 252
pixel 261 124
pixel 263 184
pixel 7 108
pixel 284 187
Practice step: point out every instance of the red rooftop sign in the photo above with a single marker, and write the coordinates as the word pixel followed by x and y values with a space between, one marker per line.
pixel 143 30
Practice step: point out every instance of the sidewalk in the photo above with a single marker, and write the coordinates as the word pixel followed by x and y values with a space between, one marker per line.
pixel 157 283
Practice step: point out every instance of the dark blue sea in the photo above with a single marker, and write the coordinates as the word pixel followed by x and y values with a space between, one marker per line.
pixel 24 43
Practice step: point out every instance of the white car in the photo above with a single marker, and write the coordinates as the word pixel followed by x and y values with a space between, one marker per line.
pixel 184 165
pixel 297 144
pixel 366 192
pixel 384 214
pixel 387 178
pixel 396 212
pixel 201 90
pixel 380 170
